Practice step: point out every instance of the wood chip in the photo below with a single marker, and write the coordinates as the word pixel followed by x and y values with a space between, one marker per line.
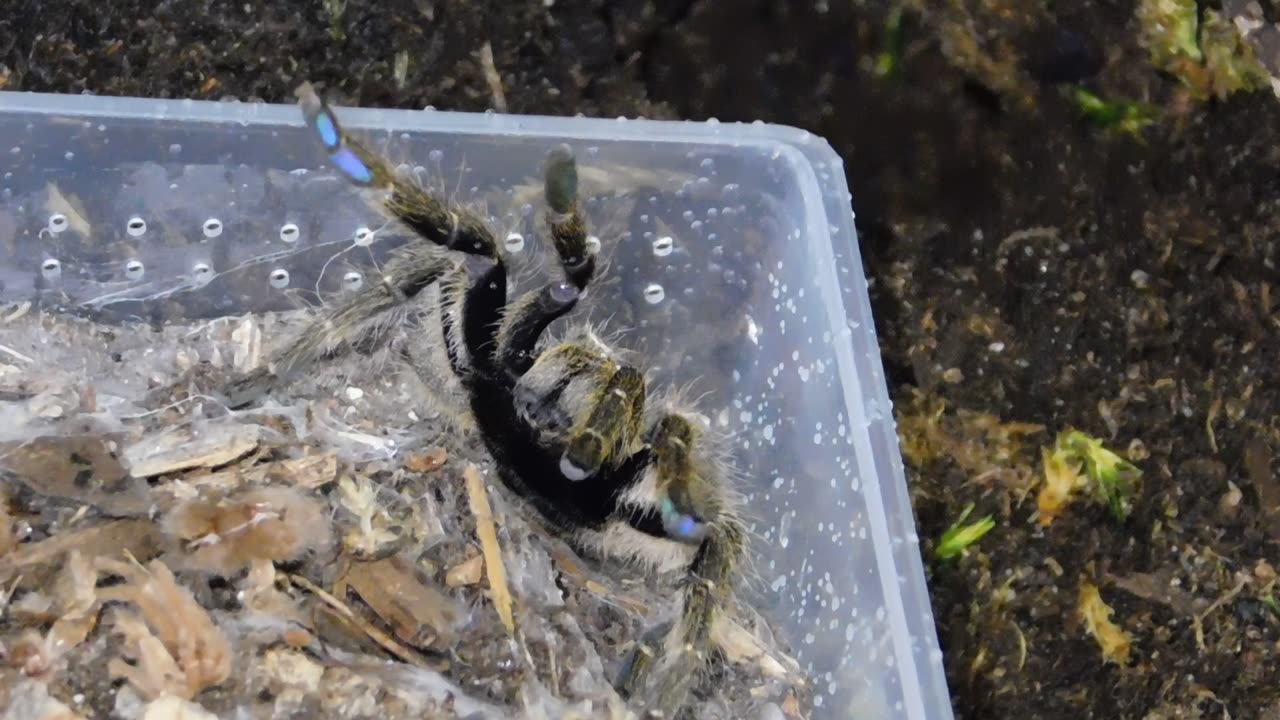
pixel 417 610
pixel 465 573
pixel 191 446
pixel 39 563
pixel 479 499
pixel 427 462
pixel 387 642
pixel 78 468
pixel 307 473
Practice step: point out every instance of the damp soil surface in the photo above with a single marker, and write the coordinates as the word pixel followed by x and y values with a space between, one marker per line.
pixel 1033 270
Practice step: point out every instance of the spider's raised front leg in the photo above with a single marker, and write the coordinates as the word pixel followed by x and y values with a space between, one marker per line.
pixel 365 319
pixel 695 508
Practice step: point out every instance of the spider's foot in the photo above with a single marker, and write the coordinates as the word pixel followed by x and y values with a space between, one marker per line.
pixel 652 679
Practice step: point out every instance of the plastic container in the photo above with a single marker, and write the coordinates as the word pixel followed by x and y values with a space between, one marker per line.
pixel 733 264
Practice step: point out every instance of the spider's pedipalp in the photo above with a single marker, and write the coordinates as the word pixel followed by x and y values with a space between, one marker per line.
pixel 610 430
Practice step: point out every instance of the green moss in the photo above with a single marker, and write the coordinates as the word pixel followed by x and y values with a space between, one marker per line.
pixel 1210 58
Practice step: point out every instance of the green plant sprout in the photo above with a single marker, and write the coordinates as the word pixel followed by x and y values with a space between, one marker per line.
pixel 1124 116
pixel 957 539
pixel 1113 479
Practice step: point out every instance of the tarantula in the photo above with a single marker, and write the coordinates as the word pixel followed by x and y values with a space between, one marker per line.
pixel 572 427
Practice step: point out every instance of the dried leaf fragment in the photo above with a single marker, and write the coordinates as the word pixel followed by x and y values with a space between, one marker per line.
pixel 1096 614
pixel 77 468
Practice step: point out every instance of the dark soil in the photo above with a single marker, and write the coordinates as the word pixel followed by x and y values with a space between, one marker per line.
pixel 1141 309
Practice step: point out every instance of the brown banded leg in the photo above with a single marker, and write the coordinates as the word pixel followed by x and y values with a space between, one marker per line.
pixel 665 668
pixel 362 320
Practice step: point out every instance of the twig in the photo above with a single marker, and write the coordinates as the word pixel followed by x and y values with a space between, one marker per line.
pixel 491 76
pixel 1198 620
pixel 493 565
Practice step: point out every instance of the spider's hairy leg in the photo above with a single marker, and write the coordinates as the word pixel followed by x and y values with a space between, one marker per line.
pixel 361 321
pixel 428 216
pixel 609 431
pixel 661 675
pixel 568 227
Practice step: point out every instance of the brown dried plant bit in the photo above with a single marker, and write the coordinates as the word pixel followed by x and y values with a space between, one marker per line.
pixel 427 462
pixel 1096 614
pixel 265 524
pixel 416 610
pixel 1062 480
pixel 178 648
pixel 78 468
pixel 488 533
pixel 374 528
pixel 201 444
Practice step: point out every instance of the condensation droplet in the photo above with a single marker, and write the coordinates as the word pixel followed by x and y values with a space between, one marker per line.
pixel 289 232
pixel 653 293
pixel 175 148
pixel 352 281
pixel 51 269
pixel 136 227
pixel 57 223
pixel 134 269
pixel 364 236
pixel 593 244
pixel 202 273
pixel 515 242
pixel 663 246
pixel 279 278
pixel 436 156
pixel 212 228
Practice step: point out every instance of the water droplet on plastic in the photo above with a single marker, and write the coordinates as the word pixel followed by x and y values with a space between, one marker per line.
pixel 134 269
pixel 212 228
pixel 436 156
pixel 654 294
pixel 352 281
pixel 663 246
pixel 279 278
pixel 175 148
pixel 514 242
pixel 289 232
pixel 202 273
pixel 593 244
pixel 69 155
pixel 51 269
pixel 137 227
pixel 57 223
pixel 364 236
